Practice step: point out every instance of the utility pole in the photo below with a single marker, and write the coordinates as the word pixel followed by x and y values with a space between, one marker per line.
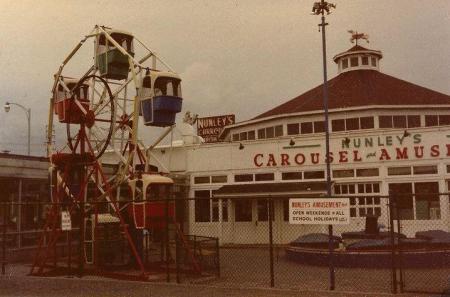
pixel 319 8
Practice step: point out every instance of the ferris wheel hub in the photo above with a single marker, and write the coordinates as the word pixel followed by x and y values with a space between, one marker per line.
pixel 90 119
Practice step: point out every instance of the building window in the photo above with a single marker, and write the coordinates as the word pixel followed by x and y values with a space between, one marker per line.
pixel 225 203
pixel 201 180
pixel 219 179
pixel 236 137
pixel 278 130
pixel 399 121
pixel 306 128
pixel 373 61
pixel 354 61
pixel 264 176
pixel 291 175
pixel 262 207
pixel 270 132
pixel 261 133
pixel 430 169
pixel 399 170
pixel 202 206
pixel 367 123
pixel 243 210
pixel 338 125
pixel 444 120
pixel 431 120
pixel 243 177
pixel 293 129
pixel 343 173
pixel 314 174
pixel 286 210
pixel 344 63
pixel 352 124
pixel 427 206
pixel 427 201
pixel 385 121
pixel 214 210
pixel 413 121
pixel 362 202
pixel 364 172
pixel 319 127
pixel 251 135
pixel 243 136
pixel 365 60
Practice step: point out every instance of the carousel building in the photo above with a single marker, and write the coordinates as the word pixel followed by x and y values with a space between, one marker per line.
pixel 387 136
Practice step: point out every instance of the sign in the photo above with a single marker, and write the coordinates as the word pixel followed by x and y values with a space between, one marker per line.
pixel 356 150
pixel 210 127
pixel 318 211
pixel 66 223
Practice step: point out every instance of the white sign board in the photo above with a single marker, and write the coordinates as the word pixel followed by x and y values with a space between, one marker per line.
pixel 318 211
pixel 66 223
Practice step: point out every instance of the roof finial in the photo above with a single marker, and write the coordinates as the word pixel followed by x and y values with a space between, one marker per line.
pixel 356 36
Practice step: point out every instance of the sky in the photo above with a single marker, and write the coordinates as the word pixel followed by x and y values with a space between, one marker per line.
pixel 234 57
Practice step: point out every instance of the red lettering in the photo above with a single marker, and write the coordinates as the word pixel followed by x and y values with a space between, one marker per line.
pixel 330 157
pixel 418 151
pixel 402 153
pixel 448 150
pixel 315 158
pixel 299 159
pixel 285 160
pixel 356 157
pixel 343 156
pixel 384 155
pixel 255 160
pixel 271 161
pixel 434 150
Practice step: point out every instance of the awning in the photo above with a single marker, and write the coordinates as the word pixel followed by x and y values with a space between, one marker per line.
pixel 273 190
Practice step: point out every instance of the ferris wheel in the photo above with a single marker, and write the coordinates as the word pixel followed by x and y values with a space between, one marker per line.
pixel 100 112
pixel 104 105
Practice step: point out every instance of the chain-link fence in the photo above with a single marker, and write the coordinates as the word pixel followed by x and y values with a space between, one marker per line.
pixel 387 247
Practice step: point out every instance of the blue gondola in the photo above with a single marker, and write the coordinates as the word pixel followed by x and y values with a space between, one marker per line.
pixel 160 98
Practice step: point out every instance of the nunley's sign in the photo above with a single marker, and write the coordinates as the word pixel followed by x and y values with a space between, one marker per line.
pixel 210 127
pixel 359 149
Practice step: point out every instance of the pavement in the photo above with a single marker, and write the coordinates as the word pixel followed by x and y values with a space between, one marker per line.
pixel 30 286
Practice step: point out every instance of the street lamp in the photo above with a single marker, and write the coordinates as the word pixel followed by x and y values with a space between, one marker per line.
pixel 320 8
pixel 7 108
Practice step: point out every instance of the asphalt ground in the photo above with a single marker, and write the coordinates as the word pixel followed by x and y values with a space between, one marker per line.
pixel 244 272
pixel 71 287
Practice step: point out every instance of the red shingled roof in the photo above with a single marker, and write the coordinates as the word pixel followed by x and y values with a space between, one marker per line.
pixel 361 88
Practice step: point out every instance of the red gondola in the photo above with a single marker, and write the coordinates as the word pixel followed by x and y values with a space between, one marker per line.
pixel 150 193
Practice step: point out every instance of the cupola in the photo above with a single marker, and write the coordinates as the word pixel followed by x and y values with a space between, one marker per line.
pixel 358 57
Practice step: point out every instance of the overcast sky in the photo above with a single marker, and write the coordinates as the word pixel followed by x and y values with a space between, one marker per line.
pixel 240 57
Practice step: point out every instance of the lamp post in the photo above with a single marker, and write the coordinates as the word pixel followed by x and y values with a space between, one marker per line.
pixel 7 108
pixel 319 8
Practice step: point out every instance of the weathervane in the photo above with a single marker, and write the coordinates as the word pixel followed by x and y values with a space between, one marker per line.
pixel 356 36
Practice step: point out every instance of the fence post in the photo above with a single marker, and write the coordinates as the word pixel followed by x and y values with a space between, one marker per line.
pixel 167 240
pixel 69 251
pixel 399 252
pixel 177 243
pixel 393 254
pixel 4 225
pixel 272 280
pixel 218 257
pixel 81 241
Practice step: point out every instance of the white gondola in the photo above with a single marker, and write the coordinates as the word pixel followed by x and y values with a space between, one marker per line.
pixel 111 62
